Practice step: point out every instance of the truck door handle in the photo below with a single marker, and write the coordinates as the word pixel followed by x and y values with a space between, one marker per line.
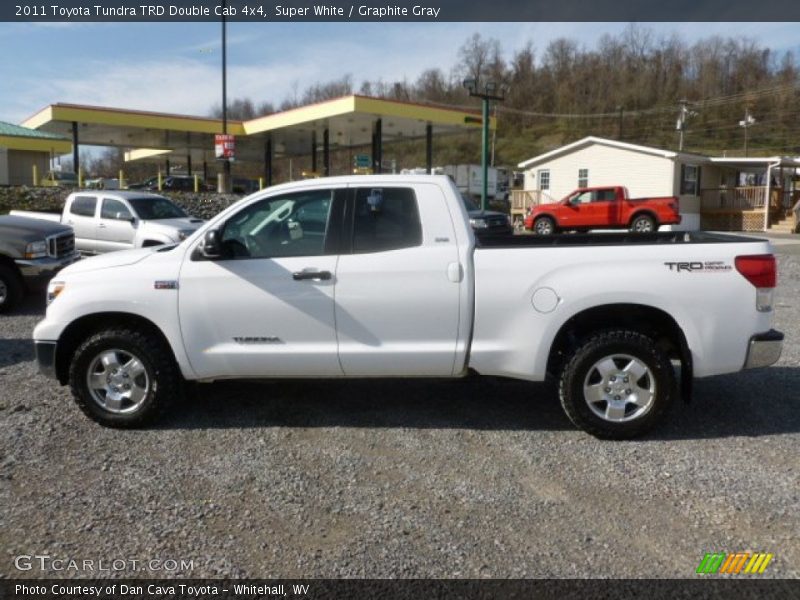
pixel 102 226
pixel 317 275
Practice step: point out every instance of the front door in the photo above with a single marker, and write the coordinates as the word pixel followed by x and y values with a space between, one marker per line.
pixel 115 229
pixel 266 307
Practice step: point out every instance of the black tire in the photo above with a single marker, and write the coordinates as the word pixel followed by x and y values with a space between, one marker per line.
pixel 643 224
pixel 634 405
pixel 544 226
pixel 164 382
pixel 11 290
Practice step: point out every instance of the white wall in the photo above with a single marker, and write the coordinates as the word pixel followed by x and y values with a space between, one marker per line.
pixel 642 174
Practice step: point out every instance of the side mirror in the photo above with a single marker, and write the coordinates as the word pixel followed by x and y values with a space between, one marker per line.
pixel 212 248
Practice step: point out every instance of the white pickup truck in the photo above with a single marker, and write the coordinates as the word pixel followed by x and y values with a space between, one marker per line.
pixel 105 221
pixel 382 276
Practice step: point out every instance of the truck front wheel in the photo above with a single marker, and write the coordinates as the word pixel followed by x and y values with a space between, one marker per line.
pixel 124 378
pixel 10 288
pixel 544 226
pixel 617 385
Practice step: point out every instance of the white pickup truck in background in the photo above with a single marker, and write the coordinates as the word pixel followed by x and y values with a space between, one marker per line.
pixel 105 221
pixel 382 276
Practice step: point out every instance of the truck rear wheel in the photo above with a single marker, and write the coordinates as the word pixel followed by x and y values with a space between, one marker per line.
pixel 544 226
pixel 643 224
pixel 11 290
pixel 124 378
pixel 617 385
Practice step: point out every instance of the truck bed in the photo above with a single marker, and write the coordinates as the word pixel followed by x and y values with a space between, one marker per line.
pixel 612 239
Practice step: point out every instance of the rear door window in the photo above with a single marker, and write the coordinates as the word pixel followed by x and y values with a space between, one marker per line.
pixel 83 206
pixel 385 219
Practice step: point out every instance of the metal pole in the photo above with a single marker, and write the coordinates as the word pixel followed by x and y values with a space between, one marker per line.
pixel 379 146
pixel 75 155
pixel 485 154
pixel 429 148
pixel 314 151
pixel 326 152
pixel 226 167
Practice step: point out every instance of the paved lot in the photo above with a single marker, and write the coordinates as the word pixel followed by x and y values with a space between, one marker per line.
pixel 484 478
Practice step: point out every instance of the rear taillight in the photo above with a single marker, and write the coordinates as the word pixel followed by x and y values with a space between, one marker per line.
pixel 762 272
pixel 758 269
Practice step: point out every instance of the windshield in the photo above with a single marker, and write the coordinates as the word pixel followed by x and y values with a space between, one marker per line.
pixel 154 208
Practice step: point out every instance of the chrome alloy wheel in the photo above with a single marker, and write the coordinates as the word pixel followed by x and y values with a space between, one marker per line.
pixel 643 226
pixel 118 381
pixel 619 388
pixel 3 291
pixel 544 227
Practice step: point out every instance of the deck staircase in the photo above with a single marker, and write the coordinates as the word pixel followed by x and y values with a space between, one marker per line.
pixel 785 225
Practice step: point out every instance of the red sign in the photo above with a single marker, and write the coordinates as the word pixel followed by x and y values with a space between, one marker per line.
pixel 224 146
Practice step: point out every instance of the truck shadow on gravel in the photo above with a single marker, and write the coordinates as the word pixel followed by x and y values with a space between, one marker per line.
pixel 757 403
pixel 15 351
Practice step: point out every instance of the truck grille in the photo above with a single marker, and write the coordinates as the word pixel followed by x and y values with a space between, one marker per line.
pixel 62 244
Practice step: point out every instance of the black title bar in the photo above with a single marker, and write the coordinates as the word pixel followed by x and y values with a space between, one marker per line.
pixel 399 10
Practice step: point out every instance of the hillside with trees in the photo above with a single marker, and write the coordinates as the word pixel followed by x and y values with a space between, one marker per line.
pixel 628 87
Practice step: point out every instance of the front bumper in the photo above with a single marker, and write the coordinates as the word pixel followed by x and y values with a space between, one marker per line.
pixel 46 358
pixel 37 272
pixel 764 349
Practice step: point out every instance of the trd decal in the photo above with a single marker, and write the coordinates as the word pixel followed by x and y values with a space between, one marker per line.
pixel 712 266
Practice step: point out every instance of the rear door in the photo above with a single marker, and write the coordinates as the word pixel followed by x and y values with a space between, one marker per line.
pixel 81 217
pixel 115 230
pixel 398 287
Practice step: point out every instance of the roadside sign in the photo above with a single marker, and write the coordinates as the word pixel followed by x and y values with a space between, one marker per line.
pixel 362 161
pixel 224 146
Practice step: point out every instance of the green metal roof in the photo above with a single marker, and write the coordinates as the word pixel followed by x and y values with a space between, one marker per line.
pixel 19 131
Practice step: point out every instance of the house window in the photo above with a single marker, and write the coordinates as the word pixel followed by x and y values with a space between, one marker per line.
pixel 544 179
pixel 690 180
pixel 583 178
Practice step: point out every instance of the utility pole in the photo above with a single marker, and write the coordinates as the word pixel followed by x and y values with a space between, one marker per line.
pixel 747 122
pixel 683 116
pixel 489 91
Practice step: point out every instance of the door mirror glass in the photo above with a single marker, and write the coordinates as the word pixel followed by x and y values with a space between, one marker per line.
pixel 211 245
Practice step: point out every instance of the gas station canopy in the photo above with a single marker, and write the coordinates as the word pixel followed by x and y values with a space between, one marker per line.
pixel 345 122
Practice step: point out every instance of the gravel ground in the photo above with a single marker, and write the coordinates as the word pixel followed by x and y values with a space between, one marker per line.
pixel 484 478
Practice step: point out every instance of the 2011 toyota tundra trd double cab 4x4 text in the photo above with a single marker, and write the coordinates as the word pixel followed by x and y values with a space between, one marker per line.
pixel 381 276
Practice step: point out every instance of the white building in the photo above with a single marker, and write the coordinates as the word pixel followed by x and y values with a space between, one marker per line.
pixel 595 161
pixel 715 192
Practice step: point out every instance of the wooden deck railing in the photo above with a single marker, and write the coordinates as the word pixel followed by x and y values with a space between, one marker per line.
pixel 521 200
pixel 740 198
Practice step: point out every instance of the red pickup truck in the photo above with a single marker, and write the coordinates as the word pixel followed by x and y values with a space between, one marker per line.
pixel 603 208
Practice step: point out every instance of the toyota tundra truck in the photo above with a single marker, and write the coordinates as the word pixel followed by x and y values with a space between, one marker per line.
pixel 382 276
pixel 105 221
pixel 603 208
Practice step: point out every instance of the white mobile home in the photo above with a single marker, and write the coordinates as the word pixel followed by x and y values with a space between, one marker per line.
pixel 594 161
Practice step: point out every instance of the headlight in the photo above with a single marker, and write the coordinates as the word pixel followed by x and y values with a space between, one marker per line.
pixel 54 288
pixel 36 250
pixel 478 223
pixel 185 233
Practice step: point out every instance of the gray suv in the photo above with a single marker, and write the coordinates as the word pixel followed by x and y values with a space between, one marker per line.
pixel 32 251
